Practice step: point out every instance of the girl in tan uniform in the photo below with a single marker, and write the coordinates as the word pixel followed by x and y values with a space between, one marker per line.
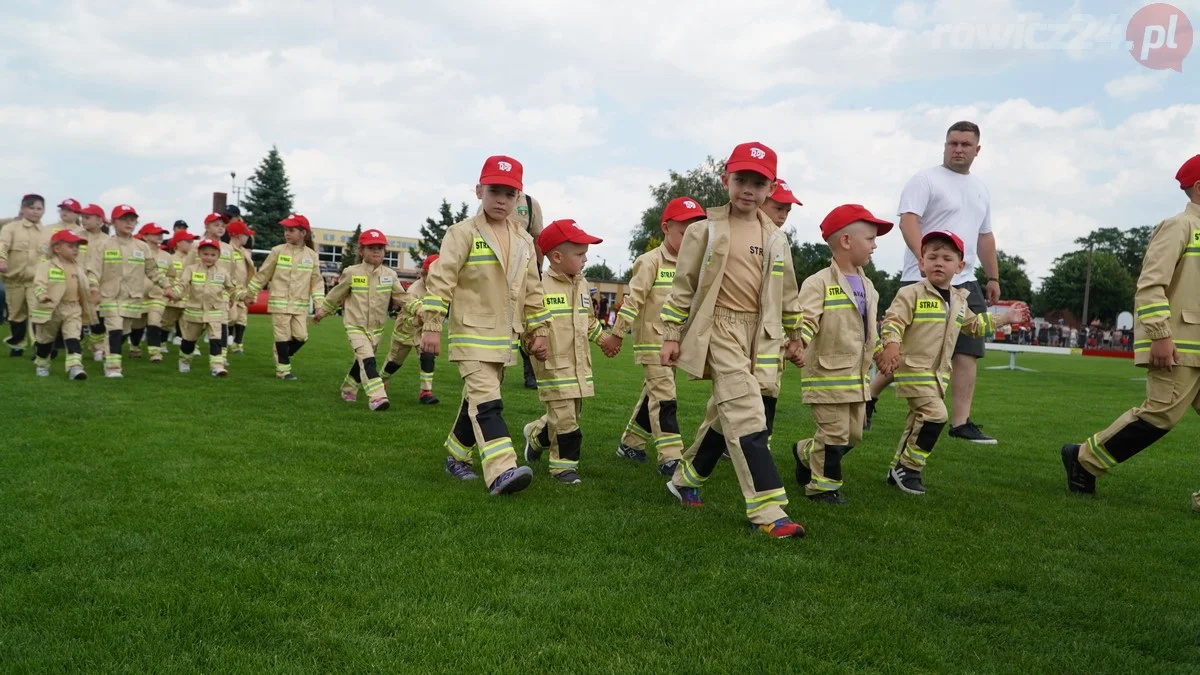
pixel 92 230
pixel 206 289
pixel 20 241
pixel 367 289
pixel 295 278
pixel 60 286
pixel 179 246
pixel 243 271
pixel 406 336
pixel 150 323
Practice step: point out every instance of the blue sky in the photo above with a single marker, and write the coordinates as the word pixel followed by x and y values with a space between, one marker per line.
pixel 381 113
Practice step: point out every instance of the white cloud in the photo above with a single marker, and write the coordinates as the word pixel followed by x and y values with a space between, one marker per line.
pixel 1130 87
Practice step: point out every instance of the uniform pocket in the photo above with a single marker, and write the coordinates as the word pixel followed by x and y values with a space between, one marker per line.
pixel 731 386
pixel 838 361
pixel 1190 316
pixel 480 320
pixel 1160 389
pixel 923 363
pixel 558 362
pixel 774 331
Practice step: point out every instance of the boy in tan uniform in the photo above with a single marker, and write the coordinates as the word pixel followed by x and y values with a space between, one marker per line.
pixel 243 272
pixel 406 336
pixel 93 220
pixel 840 339
pixel 117 274
pixel 654 415
pixel 20 253
pixel 565 378
pixel 487 272
pixel 150 323
pixel 180 245
pixel 1166 341
pixel 294 275
pixel 206 289
pixel 923 323
pixel 368 289
pixel 733 296
pixel 60 286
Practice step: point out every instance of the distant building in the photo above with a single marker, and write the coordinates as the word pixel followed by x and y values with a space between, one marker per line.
pixel 329 245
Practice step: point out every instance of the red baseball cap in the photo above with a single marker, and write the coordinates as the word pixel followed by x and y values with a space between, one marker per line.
pixel 213 217
pixel 239 227
pixel 182 235
pixel 72 205
pixel 1189 173
pixel 683 208
pixel 562 231
pixel 502 170
pixel 150 228
pixel 122 210
pixel 850 213
pixel 372 238
pixel 296 220
pixel 209 242
pixel 754 157
pixel 783 194
pixel 94 210
pixel 65 236
pixel 429 261
pixel 942 234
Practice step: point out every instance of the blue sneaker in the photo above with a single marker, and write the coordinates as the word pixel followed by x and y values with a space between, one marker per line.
pixel 688 496
pixel 513 480
pixel 667 468
pixel 460 470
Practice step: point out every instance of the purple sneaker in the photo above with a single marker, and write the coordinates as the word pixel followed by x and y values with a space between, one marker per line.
pixel 513 480
pixel 460 470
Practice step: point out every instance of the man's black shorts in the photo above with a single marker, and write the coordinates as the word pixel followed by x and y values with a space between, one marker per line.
pixel 977 304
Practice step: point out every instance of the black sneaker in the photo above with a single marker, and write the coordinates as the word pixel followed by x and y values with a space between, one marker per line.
pixel 530 382
pixel 667 468
pixel 834 497
pixel 626 452
pixel 906 479
pixel 969 431
pixel 1079 480
pixel 16 352
pixel 568 478
pixel 803 473
pixel 870 413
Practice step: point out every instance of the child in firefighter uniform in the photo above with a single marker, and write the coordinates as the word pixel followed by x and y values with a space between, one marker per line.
pixel 150 323
pixel 488 273
pixel 654 414
pixel 565 378
pixel 294 276
pixel 206 288
pixel 117 273
pixel 20 252
pixel 1166 340
pixel 61 288
pixel 91 229
pixel 922 324
pixel 733 297
pixel 406 336
pixel 179 246
pixel 243 271
pixel 368 289
pixel 839 306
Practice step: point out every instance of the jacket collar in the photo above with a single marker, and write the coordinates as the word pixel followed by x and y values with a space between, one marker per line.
pixel 1193 208
pixel 667 255
pixel 555 274
pixel 485 230
pixel 724 213
pixel 840 277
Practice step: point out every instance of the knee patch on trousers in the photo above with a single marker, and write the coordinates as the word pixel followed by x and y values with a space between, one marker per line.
pixel 709 453
pixel 569 445
pixel 490 417
pixel 1135 437
pixel 667 419
pixel 833 461
pixel 758 459
pixel 643 414
pixel 283 352
pixel 769 403
pixel 370 369
pixel 930 431
pixel 463 430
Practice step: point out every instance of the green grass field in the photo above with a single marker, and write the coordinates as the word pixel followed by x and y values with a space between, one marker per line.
pixel 176 523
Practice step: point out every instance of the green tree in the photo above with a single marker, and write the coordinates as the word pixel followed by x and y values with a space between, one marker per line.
pixel 1111 293
pixel 702 184
pixel 1128 246
pixel 350 250
pixel 433 231
pixel 599 272
pixel 1014 283
pixel 268 201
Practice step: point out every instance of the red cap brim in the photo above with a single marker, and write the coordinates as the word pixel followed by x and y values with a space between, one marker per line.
pixel 734 167
pixel 501 180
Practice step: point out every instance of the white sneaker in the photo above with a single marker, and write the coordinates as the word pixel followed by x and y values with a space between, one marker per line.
pixel 219 372
pixel 98 355
pixel 77 373
pixel 113 374
pixel 185 367
pixel 176 340
pixel 43 372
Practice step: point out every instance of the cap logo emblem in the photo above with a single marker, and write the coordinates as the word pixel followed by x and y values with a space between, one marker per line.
pixel 689 204
pixel 757 153
pixel 504 166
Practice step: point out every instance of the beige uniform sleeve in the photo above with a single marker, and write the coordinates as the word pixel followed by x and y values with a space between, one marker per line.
pixel 537 316
pixel 676 308
pixel 898 318
pixel 154 274
pixel 812 307
pixel 41 280
pixel 263 277
pixel 337 294
pixel 443 278
pixel 977 325
pixel 793 313
pixel 644 274
pixel 6 240
pixel 316 284
pixel 1153 309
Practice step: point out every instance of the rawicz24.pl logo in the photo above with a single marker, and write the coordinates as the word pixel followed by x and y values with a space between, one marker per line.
pixel 1159 36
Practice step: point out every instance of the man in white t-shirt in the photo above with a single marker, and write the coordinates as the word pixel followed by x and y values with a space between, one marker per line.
pixel 949 198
